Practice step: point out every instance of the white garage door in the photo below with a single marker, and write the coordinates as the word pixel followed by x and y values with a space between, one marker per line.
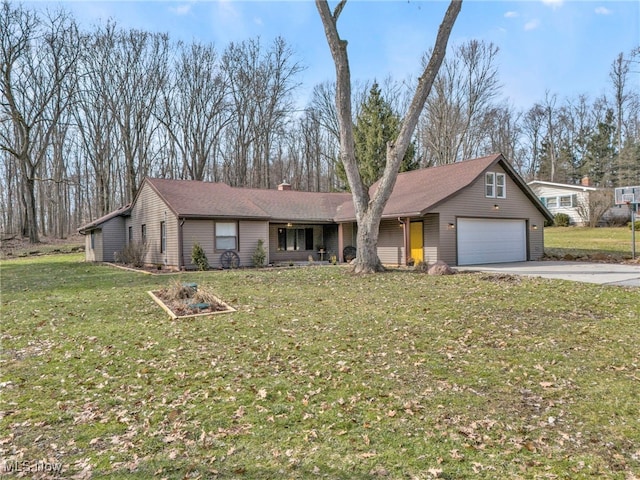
pixel 491 241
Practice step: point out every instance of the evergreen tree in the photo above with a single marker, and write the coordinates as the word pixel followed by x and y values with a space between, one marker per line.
pixel 601 158
pixel 376 124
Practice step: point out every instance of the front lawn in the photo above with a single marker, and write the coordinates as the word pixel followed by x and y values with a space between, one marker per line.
pixel 318 374
pixel 585 241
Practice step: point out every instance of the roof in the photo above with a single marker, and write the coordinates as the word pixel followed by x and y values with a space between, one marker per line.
pixel 95 225
pixel 297 206
pixel 581 188
pixel 418 191
pixel 190 198
pixel 415 193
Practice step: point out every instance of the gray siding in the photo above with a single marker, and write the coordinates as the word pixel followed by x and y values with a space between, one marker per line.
pixel 198 231
pixel 149 209
pixel 431 238
pixel 203 232
pixel 93 254
pixel 391 243
pixel 113 238
pixel 250 233
pixel 471 202
pixel 107 240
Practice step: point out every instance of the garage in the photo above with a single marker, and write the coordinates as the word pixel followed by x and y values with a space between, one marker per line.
pixel 483 240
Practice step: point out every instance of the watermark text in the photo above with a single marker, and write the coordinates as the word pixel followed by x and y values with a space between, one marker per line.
pixel 24 466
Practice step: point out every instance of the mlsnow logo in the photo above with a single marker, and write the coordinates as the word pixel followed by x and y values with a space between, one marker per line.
pixel 32 467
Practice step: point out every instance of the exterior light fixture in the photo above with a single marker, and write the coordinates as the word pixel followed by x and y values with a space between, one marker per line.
pixel 496 207
pixel 452 226
pixel 289 224
pixel 534 227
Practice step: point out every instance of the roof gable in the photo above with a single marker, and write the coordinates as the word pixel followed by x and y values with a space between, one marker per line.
pixel 418 191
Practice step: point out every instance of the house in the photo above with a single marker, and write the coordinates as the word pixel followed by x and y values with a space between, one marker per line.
pixel 471 212
pixel 579 202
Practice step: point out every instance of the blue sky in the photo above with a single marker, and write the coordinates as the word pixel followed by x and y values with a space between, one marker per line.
pixel 562 46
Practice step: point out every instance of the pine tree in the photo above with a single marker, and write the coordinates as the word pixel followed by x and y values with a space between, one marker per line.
pixel 376 124
pixel 601 157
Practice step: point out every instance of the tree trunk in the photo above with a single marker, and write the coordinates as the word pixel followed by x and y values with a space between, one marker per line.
pixel 31 213
pixel 369 211
pixel 367 260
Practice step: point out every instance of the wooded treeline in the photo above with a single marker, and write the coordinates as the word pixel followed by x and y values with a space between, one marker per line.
pixel 86 115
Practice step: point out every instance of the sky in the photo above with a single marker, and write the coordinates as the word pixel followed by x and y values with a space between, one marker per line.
pixel 564 47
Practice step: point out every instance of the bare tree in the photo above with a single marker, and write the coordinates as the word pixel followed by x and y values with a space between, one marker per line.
pixel 96 125
pixel 195 108
pixel 452 122
pixel 136 74
pixel 261 86
pixel 593 207
pixel 39 57
pixel 369 209
pixel 503 132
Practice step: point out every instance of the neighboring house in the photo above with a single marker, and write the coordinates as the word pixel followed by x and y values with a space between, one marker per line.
pixel 576 201
pixel 472 212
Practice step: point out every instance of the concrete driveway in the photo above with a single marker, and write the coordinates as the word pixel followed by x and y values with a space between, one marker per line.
pixel 602 273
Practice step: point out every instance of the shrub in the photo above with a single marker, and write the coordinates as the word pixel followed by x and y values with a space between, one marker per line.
pixel 198 257
pixel 134 254
pixel 259 255
pixel 422 267
pixel 637 226
pixel 561 220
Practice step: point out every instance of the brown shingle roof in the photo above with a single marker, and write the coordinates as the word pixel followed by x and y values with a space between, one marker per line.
pixel 297 206
pixel 122 211
pixel 417 191
pixel 205 199
pixel 192 198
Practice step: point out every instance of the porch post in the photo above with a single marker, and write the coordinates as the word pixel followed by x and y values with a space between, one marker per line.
pixel 340 242
pixel 407 240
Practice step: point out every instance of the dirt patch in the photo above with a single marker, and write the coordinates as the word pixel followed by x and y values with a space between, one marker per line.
pixel 501 278
pixel 13 246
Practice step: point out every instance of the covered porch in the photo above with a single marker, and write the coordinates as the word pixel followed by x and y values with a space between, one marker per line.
pixel 300 242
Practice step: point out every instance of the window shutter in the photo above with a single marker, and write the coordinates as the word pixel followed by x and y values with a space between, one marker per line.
pixel 574 200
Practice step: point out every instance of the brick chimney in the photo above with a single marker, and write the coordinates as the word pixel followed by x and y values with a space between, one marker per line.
pixel 284 186
pixel 586 181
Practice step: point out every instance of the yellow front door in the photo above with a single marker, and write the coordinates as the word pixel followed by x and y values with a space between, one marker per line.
pixel 417 241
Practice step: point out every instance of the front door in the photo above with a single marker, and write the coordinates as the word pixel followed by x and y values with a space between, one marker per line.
pixel 417 241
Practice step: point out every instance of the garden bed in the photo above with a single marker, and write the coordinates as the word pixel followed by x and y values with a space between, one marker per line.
pixel 187 300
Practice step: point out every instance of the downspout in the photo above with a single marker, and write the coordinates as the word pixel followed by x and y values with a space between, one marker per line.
pixel 181 250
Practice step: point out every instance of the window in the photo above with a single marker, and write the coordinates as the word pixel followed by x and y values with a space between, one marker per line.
pixel 163 237
pixel 144 232
pixel 552 202
pixel 501 185
pixel 226 235
pixel 130 234
pixel 495 185
pixel 295 239
pixel 490 183
pixel 568 201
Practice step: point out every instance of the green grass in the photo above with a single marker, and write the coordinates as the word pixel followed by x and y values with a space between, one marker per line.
pixel 584 241
pixel 319 374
